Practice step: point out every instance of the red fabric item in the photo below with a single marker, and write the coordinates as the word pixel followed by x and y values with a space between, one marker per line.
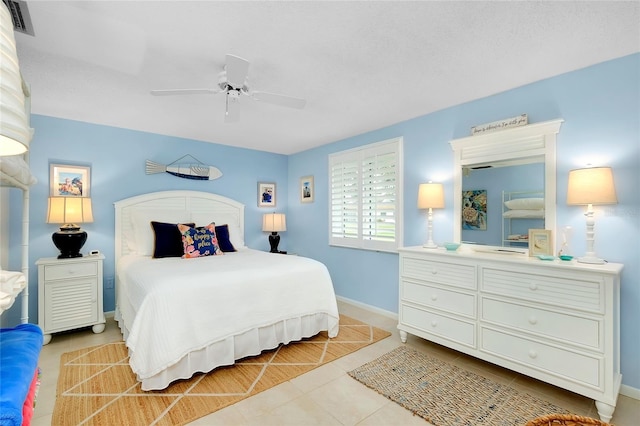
pixel 29 403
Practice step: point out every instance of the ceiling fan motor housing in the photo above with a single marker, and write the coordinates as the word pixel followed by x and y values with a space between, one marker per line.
pixel 224 85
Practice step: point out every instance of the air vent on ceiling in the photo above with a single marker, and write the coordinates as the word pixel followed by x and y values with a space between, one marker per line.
pixel 20 16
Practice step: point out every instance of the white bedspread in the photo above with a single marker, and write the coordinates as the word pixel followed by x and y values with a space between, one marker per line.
pixel 172 307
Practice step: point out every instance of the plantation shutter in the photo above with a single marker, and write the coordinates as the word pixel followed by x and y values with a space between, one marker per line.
pixel 365 196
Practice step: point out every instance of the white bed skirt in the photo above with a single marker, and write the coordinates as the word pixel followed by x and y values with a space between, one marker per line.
pixel 227 351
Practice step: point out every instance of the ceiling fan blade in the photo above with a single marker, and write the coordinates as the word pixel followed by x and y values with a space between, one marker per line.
pixel 282 100
pixel 169 92
pixel 232 113
pixel 237 70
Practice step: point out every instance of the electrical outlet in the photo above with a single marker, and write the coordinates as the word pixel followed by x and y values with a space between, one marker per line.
pixel 109 283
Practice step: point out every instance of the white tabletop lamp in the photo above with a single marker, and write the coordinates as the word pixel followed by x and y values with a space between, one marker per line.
pixel 588 187
pixel 430 196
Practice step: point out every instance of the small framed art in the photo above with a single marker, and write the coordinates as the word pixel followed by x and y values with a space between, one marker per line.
pixel 69 181
pixel 266 194
pixel 540 242
pixel 306 189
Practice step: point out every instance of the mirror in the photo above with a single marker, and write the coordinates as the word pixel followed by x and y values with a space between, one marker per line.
pixel 493 222
pixel 496 167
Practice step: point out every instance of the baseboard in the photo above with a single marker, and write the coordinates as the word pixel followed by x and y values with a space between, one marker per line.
pixel 630 392
pixel 369 308
pixel 625 390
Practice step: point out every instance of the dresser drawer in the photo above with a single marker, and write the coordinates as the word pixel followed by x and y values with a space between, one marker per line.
pixel 576 292
pixel 545 358
pixel 463 276
pixel 450 328
pixel 562 326
pixel 70 270
pixel 435 297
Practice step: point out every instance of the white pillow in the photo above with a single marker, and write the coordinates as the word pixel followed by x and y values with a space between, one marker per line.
pixel 235 236
pixel 527 214
pixel 143 235
pixel 525 204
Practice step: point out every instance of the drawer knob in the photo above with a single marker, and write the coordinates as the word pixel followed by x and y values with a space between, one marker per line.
pixel 434 323
pixel 434 271
pixel 533 286
pixel 533 320
pixel 71 272
pixel 434 297
pixel 533 354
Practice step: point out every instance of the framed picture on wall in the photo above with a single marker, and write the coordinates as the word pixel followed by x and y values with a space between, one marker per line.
pixel 307 191
pixel 266 194
pixel 540 242
pixel 69 181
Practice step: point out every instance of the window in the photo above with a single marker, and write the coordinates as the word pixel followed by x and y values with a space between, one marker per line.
pixel 365 194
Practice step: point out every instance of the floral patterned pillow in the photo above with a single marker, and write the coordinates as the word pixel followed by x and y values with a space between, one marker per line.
pixel 199 242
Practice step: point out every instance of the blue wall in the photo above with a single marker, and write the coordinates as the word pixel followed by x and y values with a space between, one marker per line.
pixel 600 106
pixel 601 109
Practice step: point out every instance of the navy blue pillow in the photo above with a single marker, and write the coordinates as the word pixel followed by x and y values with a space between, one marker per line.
pixel 168 242
pixel 222 233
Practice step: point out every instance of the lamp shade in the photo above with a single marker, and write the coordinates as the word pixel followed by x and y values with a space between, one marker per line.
pixel 591 186
pixel 15 133
pixel 274 222
pixel 69 210
pixel 430 195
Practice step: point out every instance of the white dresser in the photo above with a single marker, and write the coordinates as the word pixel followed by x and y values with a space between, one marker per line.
pixel 70 294
pixel 555 321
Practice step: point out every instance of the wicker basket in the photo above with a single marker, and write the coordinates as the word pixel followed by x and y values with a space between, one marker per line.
pixel 565 420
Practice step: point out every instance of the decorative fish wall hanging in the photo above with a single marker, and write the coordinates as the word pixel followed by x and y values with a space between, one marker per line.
pixel 187 170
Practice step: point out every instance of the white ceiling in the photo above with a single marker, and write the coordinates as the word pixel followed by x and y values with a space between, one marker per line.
pixel 360 65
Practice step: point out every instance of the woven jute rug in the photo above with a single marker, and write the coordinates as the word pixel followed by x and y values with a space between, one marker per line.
pixel 448 395
pixel 97 387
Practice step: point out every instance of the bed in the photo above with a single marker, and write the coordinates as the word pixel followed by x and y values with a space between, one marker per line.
pixel 20 345
pixel 180 316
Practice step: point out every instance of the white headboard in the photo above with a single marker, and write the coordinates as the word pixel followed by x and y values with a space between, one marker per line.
pixel 198 203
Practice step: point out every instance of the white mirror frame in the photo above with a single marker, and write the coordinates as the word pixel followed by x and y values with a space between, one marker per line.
pixel 518 145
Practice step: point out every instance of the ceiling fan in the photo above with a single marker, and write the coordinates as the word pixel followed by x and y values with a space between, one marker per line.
pixel 233 82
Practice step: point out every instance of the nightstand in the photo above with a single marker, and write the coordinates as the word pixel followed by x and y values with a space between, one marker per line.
pixel 70 294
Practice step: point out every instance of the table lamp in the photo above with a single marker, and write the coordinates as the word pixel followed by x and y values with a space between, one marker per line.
pixel 274 223
pixel 588 187
pixel 69 211
pixel 15 133
pixel 430 196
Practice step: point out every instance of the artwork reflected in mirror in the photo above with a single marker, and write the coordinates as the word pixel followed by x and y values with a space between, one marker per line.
pixel 474 209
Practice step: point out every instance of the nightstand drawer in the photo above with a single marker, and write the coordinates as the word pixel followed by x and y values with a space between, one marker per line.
pixel 70 270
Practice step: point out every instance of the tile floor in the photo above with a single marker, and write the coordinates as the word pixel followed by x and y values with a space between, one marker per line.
pixel 327 395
